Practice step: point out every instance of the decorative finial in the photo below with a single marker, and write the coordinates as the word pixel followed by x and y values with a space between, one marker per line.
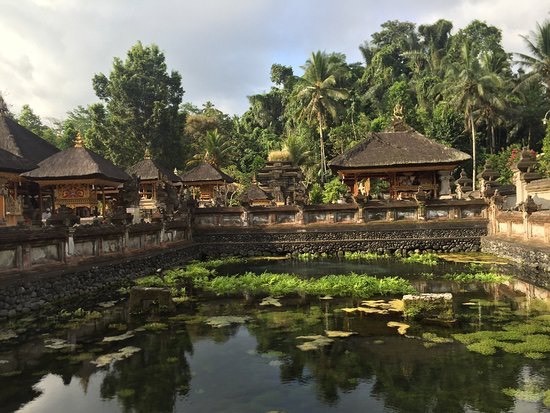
pixel 398 112
pixel 78 142
pixel 147 154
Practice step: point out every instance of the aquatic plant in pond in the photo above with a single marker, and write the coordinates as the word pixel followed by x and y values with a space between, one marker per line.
pixel 348 285
pixel 426 258
pixel 530 338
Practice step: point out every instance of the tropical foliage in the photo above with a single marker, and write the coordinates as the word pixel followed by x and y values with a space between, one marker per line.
pixel 459 88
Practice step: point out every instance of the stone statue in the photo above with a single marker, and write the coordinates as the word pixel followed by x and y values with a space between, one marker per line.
pixel 130 193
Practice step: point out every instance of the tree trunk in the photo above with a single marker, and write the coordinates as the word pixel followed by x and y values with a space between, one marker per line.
pixel 473 130
pixel 322 149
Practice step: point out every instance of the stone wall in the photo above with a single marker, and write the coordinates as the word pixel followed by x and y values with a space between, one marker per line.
pixel 30 293
pixel 532 262
pixel 397 237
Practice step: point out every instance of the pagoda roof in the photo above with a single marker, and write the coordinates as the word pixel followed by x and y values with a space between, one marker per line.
pixel 77 163
pixel 13 163
pixel 148 169
pixel 397 148
pixel 205 173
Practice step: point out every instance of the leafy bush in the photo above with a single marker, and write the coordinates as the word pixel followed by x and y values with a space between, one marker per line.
pixel 334 190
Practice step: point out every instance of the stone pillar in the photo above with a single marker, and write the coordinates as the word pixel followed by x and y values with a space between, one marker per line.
pixel 70 241
pixel 359 216
pixel 244 217
pixel 444 184
pixel 520 187
pixel 300 216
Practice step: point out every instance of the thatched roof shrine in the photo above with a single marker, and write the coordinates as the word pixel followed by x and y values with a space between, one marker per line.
pixel 150 170
pixel 77 164
pixel 401 160
pixel 397 149
pixel 205 173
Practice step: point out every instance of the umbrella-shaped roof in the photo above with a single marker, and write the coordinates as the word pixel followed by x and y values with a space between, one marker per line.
pixel 22 142
pixel 13 163
pixel 398 148
pixel 150 170
pixel 78 163
pixel 205 173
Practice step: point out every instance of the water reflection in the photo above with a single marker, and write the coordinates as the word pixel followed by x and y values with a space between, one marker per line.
pixel 256 367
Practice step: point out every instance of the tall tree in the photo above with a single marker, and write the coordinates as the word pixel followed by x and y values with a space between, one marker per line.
pixel 321 95
pixel 539 60
pixel 469 85
pixel 142 102
pixel 32 122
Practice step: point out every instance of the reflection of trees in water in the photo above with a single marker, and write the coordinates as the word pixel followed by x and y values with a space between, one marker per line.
pixel 407 376
pixel 150 380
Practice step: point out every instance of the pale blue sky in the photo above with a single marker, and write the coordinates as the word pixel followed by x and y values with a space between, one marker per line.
pixel 223 48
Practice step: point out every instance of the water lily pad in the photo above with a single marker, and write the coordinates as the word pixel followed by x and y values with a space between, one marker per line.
pixel 121 354
pixel 315 342
pixel 226 320
pixel 4 362
pixel 339 334
pixel 401 327
pixel 326 297
pixel 57 343
pixel 121 337
pixel 107 304
pixel 271 301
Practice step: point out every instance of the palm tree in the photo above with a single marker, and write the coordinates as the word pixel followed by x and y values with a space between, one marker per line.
pixel 469 86
pixel 216 150
pixel 539 60
pixel 319 91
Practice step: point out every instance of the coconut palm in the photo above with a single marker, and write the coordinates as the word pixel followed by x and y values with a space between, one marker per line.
pixel 539 60
pixel 318 90
pixel 469 85
pixel 216 150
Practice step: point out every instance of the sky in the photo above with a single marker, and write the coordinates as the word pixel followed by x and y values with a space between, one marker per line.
pixel 224 49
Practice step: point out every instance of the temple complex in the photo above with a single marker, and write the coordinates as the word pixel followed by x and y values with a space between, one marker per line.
pixel 155 181
pixel 79 179
pixel 397 163
pixel 281 180
pixel 207 183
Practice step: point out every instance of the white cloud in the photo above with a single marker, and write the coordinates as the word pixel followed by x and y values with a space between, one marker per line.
pixel 223 49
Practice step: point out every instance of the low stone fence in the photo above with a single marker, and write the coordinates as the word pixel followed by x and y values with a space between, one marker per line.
pixel 97 282
pixel 521 225
pixel 371 211
pixel 23 249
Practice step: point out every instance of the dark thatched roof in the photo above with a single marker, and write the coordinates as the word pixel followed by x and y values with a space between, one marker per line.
pixel 148 169
pixel 77 162
pixel 13 163
pixel 204 172
pixel 383 149
pixel 254 193
pixel 22 142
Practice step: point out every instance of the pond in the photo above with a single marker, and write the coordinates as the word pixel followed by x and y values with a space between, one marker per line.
pixel 104 359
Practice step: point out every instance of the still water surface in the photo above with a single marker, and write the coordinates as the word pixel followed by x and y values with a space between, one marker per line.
pixel 256 367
